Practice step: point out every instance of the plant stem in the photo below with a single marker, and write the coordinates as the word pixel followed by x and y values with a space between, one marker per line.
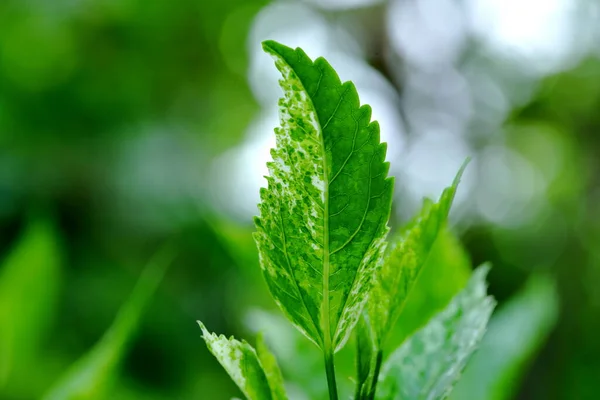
pixel 378 362
pixel 330 371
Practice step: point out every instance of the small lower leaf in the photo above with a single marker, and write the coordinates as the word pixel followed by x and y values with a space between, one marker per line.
pixel 430 362
pixel 255 373
pixel 271 368
pixel 365 353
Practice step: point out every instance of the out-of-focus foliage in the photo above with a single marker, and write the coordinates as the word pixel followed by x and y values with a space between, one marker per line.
pixel 514 336
pixel 430 362
pixel 132 122
pixel 93 375
pixel 29 285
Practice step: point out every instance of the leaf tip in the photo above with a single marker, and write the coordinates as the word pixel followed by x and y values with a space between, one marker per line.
pixel 273 47
pixel 461 171
pixel 483 269
pixel 205 331
pixel 267 45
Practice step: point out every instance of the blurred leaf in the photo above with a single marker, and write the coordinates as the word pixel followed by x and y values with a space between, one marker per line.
pixel 515 334
pixel 323 217
pixel 29 281
pixel 428 364
pixel 92 375
pixel 272 371
pixel 444 274
pixel 403 263
pixel 365 358
pixel 245 366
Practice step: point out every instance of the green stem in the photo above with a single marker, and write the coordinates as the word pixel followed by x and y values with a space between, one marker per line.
pixel 378 362
pixel 330 371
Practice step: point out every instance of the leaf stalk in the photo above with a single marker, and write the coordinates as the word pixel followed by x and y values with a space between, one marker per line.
pixel 330 371
pixel 375 378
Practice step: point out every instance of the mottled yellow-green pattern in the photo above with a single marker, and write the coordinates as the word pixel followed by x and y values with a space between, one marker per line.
pixel 404 261
pixel 323 216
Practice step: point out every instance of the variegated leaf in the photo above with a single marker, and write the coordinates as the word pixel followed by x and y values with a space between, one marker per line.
pixel 516 332
pixel 323 217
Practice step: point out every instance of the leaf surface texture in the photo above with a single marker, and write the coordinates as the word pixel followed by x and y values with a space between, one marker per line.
pixel 323 216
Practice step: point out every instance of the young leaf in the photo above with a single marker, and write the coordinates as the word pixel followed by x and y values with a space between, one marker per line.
pixel 323 217
pixel 403 263
pixel 300 359
pixel 428 364
pixel 366 358
pixel 272 371
pixel 92 375
pixel 445 273
pixel 443 276
pixel 29 282
pixel 254 371
pixel 515 334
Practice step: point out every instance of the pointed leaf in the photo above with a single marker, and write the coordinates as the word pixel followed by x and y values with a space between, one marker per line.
pixel 366 354
pixel 404 261
pixel 271 368
pixel 429 363
pixel 515 334
pixel 255 372
pixel 323 217
pixel 445 273
pixel 93 374
pixel 29 283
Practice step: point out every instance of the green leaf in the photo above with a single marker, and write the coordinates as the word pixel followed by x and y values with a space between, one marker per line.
pixel 404 261
pixel 254 371
pixel 272 371
pixel 29 284
pixel 366 358
pixel 445 273
pixel 515 334
pixel 323 217
pixel 430 362
pixel 300 360
pixel 93 374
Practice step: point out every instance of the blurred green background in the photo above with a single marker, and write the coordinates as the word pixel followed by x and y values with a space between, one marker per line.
pixel 127 124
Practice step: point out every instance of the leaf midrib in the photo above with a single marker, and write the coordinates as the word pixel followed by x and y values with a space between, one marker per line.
pixel 328 348
pixel 325 312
